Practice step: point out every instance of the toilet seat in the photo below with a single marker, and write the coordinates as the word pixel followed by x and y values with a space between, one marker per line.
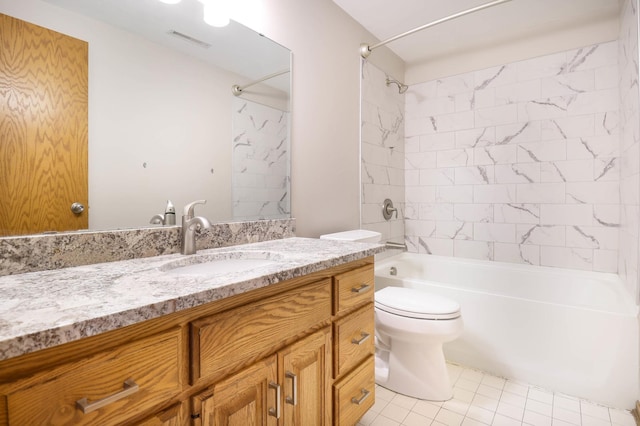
pixel 417 304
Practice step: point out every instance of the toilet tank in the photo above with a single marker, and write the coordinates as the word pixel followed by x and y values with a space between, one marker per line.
pixel 360 235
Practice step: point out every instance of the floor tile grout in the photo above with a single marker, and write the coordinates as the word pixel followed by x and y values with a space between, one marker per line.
pixel 516 407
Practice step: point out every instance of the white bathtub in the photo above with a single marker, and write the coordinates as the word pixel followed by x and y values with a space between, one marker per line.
pixel 569 331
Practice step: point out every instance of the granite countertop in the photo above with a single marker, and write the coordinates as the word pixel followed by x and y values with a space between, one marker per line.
pixel 39 310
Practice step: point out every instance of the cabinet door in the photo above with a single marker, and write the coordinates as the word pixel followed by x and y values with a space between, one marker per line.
pixel 305 371
pixel 248 398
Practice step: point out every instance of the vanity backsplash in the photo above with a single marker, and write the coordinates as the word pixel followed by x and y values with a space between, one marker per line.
pixel 43 252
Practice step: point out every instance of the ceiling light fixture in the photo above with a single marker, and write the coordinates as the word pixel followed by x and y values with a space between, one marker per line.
pixel 216 13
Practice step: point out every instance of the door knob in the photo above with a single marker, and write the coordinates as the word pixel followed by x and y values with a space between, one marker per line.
pixel 77 208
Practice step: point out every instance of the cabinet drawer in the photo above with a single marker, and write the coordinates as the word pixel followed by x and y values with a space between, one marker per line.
pixel 112 386
pixel 353 288
pixel 355 394
pixel 224 342
pixel 353 338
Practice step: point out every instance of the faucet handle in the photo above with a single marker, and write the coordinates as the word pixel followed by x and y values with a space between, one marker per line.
pixel 188 209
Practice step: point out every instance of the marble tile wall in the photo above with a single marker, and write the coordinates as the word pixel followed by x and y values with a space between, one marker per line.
pixel 629 146
pixel 519 162
pixel 261 177
pixel 382 145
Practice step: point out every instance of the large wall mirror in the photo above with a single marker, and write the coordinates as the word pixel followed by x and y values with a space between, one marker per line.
pixel 163 121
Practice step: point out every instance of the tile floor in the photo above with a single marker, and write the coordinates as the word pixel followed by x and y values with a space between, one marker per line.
pixel 483 399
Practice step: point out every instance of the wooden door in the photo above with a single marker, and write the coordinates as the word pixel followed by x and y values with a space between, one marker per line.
pixel 247 398
pixel 305 375
pixel 43 129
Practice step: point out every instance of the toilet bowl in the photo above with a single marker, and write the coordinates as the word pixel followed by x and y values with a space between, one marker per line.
pixel 411 327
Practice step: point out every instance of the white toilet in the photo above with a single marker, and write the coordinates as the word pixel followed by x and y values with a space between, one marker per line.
pixel 411 327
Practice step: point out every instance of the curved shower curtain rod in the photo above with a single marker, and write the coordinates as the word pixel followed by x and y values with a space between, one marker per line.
pixel 237 89
pixel 365 49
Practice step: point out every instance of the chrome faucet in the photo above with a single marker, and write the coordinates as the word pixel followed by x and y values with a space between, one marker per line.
pixel 189 226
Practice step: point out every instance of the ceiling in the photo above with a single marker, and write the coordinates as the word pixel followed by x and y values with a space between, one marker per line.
pixel 495 25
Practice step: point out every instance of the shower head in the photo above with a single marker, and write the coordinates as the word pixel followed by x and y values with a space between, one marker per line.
pixel 401 87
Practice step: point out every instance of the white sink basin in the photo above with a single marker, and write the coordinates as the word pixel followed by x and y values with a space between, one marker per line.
pixel 220 263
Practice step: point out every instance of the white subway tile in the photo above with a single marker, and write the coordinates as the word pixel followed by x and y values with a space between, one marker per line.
pixel 544 66
pixel 505 114
pixel 421 160
pixel 473 249
pixel 433 211
pixel 473 212
pixel 540 193
pixel 607 123
pixel 568 84
pixel 431 107
pixel 494 193
pixel 415 126
pixel 566 214
pixel 454 158
pixel 444 176
pixel 541 235
pixel 592 102
pixel 523 91
pixel 592 237
pixel 495 76
pixel 607 169
pixel 542 151
pixel 516 253
pixel 478 175
pixel 437 142
pixel 590 147
pixel 485 98
pixel 568 127
pixel 567 171
pixel 449 86
pixel 593 192
pixel 606 77
pixel 593 56
pixel 498 154
pixel 412 177
pixel 606 215
pixel 497 232
pixel 422 228
pixel 529 131
pixel 563 257
pixel 517 213
pixel 437 246
pixel 517 173
pixel 454 194
pixel 454 230
pixel 472 138
pixel 420 194
pixel 412 144
pixel 542 109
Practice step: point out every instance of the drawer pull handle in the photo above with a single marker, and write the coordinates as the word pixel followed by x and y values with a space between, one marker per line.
pixel 365 395
pixel 294 379
pixel 275 412
pixel 365 337
pixel 361 289
pixel 129 387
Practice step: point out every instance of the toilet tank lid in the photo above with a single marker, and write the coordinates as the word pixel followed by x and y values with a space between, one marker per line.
pixel 411 301
pixel 361 235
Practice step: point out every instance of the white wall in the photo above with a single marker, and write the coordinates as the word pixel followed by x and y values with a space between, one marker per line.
pixel 537 44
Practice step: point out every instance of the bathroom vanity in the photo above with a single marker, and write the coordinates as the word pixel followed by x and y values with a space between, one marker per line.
pixel 289 341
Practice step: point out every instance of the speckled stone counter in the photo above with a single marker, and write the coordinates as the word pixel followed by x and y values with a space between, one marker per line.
pixel 43 309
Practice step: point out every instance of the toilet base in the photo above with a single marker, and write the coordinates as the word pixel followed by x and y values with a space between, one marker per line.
pixel 419 371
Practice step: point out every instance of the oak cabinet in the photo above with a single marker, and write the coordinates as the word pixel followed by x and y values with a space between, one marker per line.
pixel 288 388
pixel 296 353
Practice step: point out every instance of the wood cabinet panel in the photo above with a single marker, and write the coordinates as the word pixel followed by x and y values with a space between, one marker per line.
pixel 353 288
pixel 353 338
pixel 305 376
pixel 50 397
pixel 355 394
pixel 243 399
pixel 218 347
